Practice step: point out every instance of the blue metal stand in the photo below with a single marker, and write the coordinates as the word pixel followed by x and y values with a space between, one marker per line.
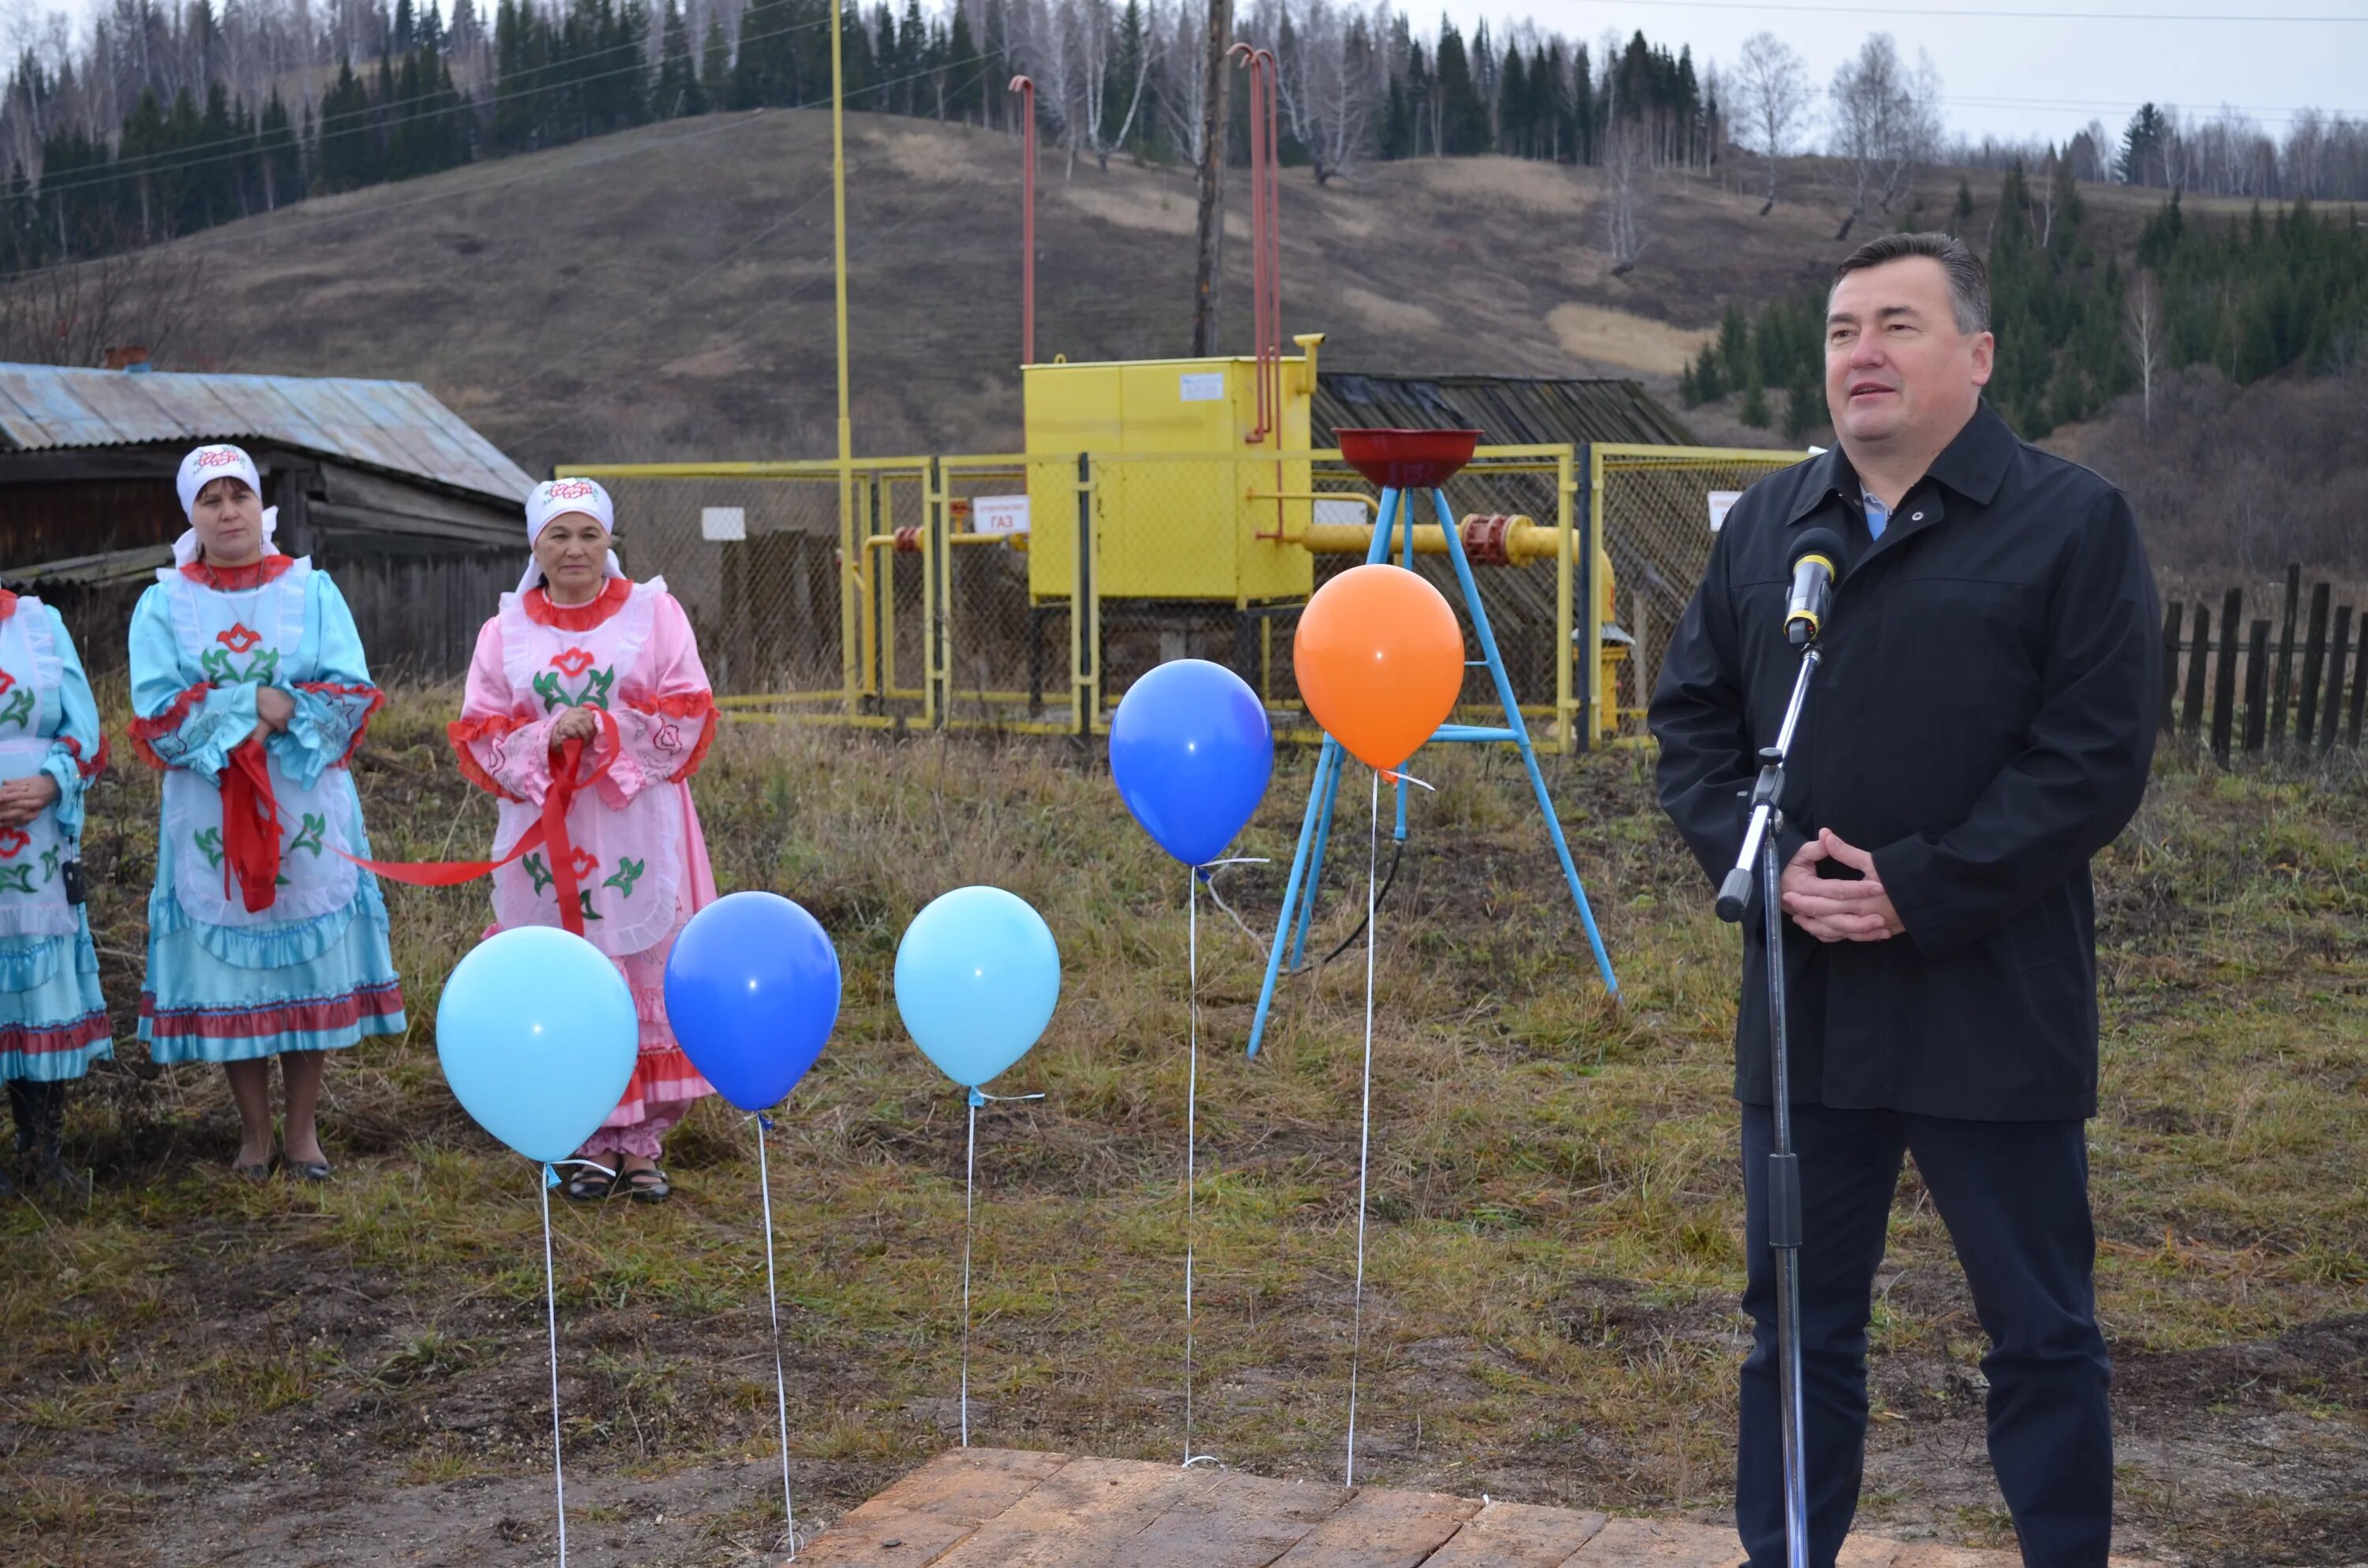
pixel 1395 526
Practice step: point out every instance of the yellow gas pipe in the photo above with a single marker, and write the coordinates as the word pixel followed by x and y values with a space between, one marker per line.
pixel 1498 540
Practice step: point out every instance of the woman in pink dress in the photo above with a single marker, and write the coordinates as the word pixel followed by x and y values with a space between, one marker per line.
pixel 582 664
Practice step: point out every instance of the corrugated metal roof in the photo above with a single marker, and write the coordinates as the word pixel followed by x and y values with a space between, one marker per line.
pixel 1509 411
pixel 395 426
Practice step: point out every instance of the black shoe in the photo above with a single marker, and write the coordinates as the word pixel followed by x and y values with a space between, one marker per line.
pixel 589 1185
pixel 40 1119
pixel 306 1170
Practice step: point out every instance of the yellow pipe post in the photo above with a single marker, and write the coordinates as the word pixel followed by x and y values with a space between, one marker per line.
pixel 850 567
pixel 1567 737
pixel 1599 692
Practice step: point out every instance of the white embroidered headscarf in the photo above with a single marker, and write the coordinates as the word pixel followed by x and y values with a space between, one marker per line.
pixel 201 468
pixel 557 498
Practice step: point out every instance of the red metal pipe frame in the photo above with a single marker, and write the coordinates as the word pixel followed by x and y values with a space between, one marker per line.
pixel 1266 238
pixel 1026 91
pixel 1274 258
pixel 1252 61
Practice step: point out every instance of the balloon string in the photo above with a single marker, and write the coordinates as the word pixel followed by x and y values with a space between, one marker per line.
pixel 1192 1137
pixel 1365 1128
pixel 773 1295
pixel 550 1315
pixel 550 1171
pixel 970 1184
pixel 1191 1124
pixel 1219 899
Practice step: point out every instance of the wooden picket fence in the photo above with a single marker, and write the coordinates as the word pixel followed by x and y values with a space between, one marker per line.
pixel 2243 686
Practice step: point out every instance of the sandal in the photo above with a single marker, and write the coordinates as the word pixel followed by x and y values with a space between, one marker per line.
pixel 254 1176
pixel 646 1186
pixel 307 1170
pixel 589 1185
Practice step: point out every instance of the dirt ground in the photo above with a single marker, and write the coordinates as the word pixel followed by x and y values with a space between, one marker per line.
pixel 200 1373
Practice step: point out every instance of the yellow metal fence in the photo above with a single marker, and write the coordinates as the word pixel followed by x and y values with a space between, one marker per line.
pixel 1026 592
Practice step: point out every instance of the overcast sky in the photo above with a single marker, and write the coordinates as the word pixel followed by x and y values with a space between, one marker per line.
pixel 2027 68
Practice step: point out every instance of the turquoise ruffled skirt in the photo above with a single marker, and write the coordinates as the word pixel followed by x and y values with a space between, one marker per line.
pixel 52 1020
pixel 219 993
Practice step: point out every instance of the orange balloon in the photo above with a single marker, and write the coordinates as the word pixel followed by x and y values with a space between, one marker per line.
pixel 1379 661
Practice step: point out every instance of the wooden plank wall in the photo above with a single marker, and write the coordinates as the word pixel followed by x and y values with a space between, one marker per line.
pixel 2293 686
pixel 418 615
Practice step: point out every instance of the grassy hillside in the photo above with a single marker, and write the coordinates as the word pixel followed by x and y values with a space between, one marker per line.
pixel 280 1377
pixel 667 293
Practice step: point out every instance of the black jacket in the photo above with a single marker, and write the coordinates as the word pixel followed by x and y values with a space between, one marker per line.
pixel 1983 721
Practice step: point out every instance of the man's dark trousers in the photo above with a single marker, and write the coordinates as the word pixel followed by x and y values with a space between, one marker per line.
pixel 2015 1198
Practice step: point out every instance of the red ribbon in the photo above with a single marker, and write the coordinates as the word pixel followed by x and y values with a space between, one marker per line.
pixel 250 827
pixel 551 831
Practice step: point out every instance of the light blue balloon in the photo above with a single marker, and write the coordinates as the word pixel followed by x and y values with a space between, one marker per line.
pixel 537 1036
pixel 977 976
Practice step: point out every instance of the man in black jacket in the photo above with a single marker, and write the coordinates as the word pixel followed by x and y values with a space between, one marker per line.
pixel 1981 725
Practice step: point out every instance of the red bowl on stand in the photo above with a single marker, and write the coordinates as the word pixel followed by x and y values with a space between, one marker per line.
pixel 1407 460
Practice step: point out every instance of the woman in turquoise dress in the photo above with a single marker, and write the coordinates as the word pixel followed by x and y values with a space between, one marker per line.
pixel 265 937
pixel 53 1021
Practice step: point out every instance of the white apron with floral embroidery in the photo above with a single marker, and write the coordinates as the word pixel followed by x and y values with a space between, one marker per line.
pixel 252 635
pixel 32 855
pixel 628 861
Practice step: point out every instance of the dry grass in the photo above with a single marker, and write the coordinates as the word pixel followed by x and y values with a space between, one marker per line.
pixel 199 1369
pixel 1618 338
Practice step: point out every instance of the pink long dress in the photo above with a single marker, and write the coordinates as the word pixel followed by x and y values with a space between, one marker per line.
pixel 640 858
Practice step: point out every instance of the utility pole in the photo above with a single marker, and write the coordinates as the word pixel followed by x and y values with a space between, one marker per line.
pixel 1209 254
pixel 851 557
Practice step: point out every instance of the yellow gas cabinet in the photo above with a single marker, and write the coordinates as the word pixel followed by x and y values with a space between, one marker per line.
pixel 1185 503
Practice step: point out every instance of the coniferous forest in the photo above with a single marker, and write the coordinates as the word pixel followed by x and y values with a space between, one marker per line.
pixel 2248 296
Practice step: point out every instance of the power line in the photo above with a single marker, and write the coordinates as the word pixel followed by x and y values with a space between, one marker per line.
pixel 196 155
pixel 279 223
pixel 2350 117
pixel 1984 14
pixel 294 216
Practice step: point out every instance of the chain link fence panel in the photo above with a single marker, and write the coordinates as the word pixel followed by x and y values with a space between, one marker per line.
pixel 1027 592
pixel 1660 507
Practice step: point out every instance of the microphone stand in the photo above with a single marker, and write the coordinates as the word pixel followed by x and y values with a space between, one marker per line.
pixel 1783 1170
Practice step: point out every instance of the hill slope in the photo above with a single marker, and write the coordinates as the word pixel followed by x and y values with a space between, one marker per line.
pixel 667 293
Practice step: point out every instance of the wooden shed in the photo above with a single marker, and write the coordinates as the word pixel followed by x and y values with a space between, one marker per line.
pixel 417 516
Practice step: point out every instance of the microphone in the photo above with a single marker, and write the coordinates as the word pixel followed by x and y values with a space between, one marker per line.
pixel 1817 562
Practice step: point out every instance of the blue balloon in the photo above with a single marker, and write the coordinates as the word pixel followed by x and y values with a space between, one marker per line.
pixel 977 975
pixel 751 994
pixel 537 1036
pixel 1191 751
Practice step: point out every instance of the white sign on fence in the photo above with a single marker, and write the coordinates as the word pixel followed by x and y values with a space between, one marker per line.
pixel 1201 386
pixel 1720 500
pixel 998 515
pixel 1340 512
pixel 722 522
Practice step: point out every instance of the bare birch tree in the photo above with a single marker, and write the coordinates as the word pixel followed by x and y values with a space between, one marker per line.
pixel 2141 327
pixel 72 315
pixel 1887 126
pixel 1627 194
pixel 1772 102
pixel 1325 87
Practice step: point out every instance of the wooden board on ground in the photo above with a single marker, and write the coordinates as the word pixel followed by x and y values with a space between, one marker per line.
pixel 1005 1508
